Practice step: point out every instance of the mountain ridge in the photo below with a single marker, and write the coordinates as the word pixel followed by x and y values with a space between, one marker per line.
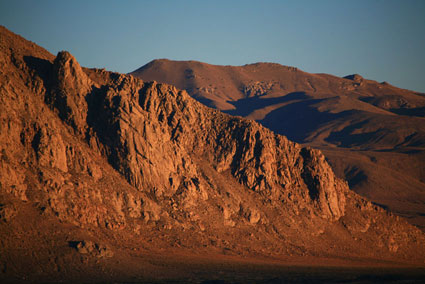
pixel 353 77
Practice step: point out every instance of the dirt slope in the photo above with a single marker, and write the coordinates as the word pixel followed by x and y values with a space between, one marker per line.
pixel 102 174
pixel 372 133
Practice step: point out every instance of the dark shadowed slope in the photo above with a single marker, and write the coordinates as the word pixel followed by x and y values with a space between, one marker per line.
pixel 372 133
pixel 105 177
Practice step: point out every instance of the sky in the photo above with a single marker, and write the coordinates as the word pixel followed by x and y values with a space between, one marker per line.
pixel 382 40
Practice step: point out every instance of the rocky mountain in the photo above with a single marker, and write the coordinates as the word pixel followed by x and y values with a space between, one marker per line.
pixel 372 133
pixel 105 176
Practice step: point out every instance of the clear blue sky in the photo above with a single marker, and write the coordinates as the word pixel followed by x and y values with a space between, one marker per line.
pixel 382 40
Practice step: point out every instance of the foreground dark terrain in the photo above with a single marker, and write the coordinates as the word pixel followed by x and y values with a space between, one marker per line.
pixel 105 177
pixel 372 133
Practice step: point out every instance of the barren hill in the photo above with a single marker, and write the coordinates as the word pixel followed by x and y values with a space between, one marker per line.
pixel 106 177
pixel 372 133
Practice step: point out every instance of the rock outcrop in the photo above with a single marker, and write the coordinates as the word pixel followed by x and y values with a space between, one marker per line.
pixel 373 134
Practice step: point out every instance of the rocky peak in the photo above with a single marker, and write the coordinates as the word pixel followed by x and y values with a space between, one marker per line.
pixel 354 77
pixel 324 188
pixel 70 85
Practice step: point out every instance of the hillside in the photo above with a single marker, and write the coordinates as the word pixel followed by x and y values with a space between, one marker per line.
pixel 105 177
pixel 373 134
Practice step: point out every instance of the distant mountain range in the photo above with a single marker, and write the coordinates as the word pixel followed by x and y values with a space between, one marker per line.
pixel 372 133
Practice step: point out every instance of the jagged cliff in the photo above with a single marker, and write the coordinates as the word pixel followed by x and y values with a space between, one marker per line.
pixel 373 134
pixel 95 163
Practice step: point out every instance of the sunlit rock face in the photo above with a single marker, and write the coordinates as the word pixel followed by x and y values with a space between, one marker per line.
pixel 372 133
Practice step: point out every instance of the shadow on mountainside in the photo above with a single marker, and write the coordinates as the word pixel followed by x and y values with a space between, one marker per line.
pixel 355 129
pixel 297 120
pixel 40 67
pixel 247 105
pixel 419 111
